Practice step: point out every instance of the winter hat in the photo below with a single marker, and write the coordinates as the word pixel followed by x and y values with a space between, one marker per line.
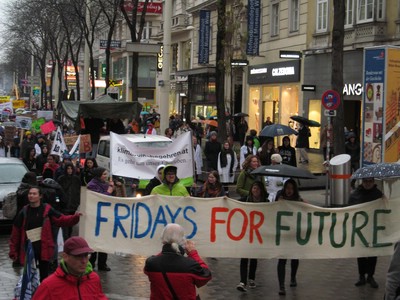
pixel 213 133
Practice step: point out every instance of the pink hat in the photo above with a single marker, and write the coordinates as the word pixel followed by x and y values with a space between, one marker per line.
pixel 76 245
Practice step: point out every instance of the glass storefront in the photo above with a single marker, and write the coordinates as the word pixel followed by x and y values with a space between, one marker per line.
pixel 277 102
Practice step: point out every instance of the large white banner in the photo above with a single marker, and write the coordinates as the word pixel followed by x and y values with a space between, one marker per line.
pixel 140 160
pixel 223 227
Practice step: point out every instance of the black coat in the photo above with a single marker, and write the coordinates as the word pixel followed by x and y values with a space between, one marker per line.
pixel 211 151
pixel 71 185
pixel 151 185
pixel 361 195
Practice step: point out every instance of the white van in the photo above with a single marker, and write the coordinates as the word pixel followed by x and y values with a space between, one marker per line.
pixel 103 150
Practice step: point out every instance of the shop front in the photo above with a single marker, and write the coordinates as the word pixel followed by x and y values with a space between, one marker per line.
pixel 317 73
pixel 274 92
pixel 199 97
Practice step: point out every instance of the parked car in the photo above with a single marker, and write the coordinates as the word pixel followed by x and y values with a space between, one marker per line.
pixel 11 172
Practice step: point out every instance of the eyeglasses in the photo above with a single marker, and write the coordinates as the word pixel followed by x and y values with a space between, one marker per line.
pixel 170 173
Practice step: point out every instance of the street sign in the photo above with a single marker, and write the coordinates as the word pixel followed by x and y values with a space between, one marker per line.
pixel 329 113
pixel 331 99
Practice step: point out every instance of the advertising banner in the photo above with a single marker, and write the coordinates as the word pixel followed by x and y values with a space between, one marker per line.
pixel 204 36
pixel 253 25
pixel 374 98
pixel 392 110
pixel 223 227
pixel 140 160
pixel 381 110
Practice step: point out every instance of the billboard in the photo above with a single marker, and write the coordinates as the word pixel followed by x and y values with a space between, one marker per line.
pixel 381 105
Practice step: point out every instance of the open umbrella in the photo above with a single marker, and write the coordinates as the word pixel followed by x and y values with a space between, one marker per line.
pixel 379 171
pixel 211 122
pixel 305 121
pixel 283 170
pixel 277 130
pixel 241 114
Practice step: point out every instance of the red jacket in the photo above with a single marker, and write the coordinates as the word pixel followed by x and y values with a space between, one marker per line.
pixel 184 274
pixel 61 285
pixel 50 217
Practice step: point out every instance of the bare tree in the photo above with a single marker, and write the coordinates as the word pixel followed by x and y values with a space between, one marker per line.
pixel 220 69
pixel 136 30
pixel 111 11
pixel 337 72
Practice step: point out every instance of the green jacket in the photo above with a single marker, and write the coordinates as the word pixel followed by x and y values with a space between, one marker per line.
pixel 177 189
pixel 244 182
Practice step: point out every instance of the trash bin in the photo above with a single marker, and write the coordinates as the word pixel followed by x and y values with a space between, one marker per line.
pixel 339 177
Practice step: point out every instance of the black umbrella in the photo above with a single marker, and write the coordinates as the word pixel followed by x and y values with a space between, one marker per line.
pixel 241 114
pixel 305 121
pixel 283 170
pixel 380 171
pixel 277 130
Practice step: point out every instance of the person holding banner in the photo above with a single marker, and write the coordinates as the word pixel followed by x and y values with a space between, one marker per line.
pixel 170 185
pixel 87 173
pixel 211 188
pixel 290 192
pixel 102 185
pixel 246 179
pixel 35 222
pixel 173 275
pixel 155 181
pixel 248 266
pixel 366 192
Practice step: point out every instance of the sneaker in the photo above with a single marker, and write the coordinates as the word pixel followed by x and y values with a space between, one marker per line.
pixel 252 284
pixel 361 281
pixel 241 287
pixel 372 282
pixel 282 291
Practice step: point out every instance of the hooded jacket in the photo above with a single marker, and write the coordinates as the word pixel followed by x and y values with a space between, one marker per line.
pixel 62 285
pixel 175 189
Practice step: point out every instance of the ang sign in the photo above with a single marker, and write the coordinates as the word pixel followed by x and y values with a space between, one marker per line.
pixel 353 89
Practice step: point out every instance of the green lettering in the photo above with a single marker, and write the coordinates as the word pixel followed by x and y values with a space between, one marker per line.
pixel 344 231
pixel 377 227
pixel 356 230
pixel 306 239
pixel 279 226
pixel 321 216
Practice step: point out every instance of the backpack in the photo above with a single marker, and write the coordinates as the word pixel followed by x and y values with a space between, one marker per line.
pixel 10 205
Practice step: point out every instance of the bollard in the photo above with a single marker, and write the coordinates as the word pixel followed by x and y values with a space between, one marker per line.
pixel 339 175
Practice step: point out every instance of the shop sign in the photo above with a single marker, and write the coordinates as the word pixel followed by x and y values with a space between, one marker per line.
pixel 287 71
pixel 253 25
pixel 160 57
pixel 353 89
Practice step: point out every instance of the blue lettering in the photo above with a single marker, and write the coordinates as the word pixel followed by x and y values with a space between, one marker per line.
pixel 149 220
pixel 99 218
pixel 186 217
pixel 173 216
pixel 160 219
pixel 118 218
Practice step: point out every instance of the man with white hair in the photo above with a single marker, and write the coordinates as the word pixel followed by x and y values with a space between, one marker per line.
pixel 173 275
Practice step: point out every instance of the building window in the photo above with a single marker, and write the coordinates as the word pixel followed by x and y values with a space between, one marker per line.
pixel 380 10
pixel 349 14
pixel 275 19
pixel 365 11
pixel 322 15
pixel 147 31
pixel 294 15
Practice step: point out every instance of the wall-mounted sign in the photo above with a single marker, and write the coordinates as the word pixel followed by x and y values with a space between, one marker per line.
pixel 204 36
pixel 286 71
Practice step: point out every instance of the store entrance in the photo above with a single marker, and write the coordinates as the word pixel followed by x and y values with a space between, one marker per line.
pixel 352 115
